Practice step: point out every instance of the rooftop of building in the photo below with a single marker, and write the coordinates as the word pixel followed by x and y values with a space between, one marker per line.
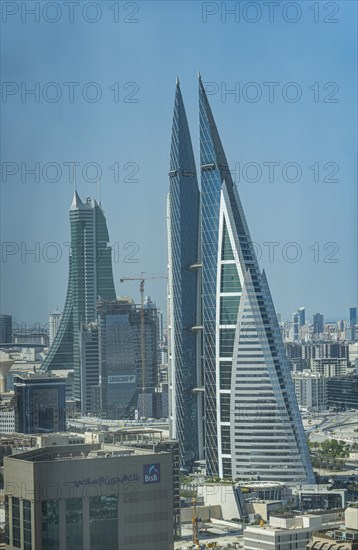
pixel 81 452
pixel 39 376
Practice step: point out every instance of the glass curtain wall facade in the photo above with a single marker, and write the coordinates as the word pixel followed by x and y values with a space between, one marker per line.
pixel 250 408
pixel 90 277
pixel 184 266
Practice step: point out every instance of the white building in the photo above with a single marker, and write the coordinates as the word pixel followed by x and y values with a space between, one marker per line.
pixel 330 366
pixel 289 533
pixel 310 389
pixel 7 418
pixel 53 324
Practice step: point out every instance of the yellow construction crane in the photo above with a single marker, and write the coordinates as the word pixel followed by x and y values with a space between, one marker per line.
pixel 195 521
pixel 142 278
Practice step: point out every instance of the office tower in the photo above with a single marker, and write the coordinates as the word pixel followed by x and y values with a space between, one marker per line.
pixel 248 390
pixel 353 322
pixel 342 392
pixel 318 324
pixel 53 324
pixel 183 252
pixel 5 329
pixel 123 390
pixel 89 360
pixel 90 277
pixel 295 326
pixel 91 497
pixel 302 315
pixel 39 403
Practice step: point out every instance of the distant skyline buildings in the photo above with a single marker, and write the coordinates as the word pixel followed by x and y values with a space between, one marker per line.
pixel 318 323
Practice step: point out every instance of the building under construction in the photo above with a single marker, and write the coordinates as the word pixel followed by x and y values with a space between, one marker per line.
pixel 127 361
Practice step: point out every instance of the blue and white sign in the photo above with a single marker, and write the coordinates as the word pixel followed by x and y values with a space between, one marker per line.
pixel 151 473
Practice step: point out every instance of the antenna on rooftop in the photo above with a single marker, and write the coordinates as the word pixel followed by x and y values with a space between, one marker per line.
pixel 99 190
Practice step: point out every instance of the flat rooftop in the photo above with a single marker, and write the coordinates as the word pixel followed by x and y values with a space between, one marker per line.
pixel 81 452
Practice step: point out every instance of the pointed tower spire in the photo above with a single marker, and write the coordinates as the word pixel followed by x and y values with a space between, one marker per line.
pixel 76 201
pixel 245 393
pixel 183 239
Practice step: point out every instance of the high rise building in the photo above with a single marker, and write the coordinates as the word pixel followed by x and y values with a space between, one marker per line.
pixel 5 329
pixel 318 324
pixel 53 324
pixel 122 386
pixel 39 403
pixel 295 326
pixel 183 326
pixel 302 314
pixel 252 426
pixel 353 322
pixel 90 277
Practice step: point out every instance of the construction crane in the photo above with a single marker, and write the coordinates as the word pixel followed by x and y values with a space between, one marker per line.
pixel 195 521
pixel 142 278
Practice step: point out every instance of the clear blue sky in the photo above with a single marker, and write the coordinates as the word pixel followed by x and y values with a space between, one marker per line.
pixel 170 39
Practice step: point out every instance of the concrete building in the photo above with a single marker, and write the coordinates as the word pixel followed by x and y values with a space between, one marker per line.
pixel 37 334
pixel 53 324
pixel 331 366
pixel 60 439
pixel 344 538
pixel 7 418
pixel 39 403
pixel 310 390
pixel 289 531
pixel 89 497
pixel 319 497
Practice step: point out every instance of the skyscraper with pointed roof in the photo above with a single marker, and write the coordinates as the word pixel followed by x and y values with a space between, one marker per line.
pixel 90 278
pixel 251 423
pixel 183 231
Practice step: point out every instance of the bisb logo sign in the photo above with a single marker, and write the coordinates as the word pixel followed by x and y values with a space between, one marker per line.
pixel 151 473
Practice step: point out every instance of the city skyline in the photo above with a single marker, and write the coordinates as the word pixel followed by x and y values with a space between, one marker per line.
pixel 132 137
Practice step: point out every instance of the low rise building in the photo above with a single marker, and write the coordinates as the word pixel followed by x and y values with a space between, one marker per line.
pixel 289 531
pixel 90 497
pixel 344 538
pixel 320 497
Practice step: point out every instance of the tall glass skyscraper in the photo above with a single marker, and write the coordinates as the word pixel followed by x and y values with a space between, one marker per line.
pixel 90 278
pixel 183 333
pixel 251 423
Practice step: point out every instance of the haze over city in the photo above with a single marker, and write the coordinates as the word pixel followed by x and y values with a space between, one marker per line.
pixel 126 134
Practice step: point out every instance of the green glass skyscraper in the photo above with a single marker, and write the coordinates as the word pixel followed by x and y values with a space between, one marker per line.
pixel 90 278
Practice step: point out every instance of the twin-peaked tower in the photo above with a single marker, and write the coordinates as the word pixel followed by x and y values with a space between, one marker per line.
pixel 232 400
pixel 90 278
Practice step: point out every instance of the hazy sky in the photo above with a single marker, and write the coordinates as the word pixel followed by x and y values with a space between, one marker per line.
pixel 104 77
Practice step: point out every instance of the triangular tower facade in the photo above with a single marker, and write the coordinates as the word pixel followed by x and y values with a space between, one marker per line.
pixel 252 426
